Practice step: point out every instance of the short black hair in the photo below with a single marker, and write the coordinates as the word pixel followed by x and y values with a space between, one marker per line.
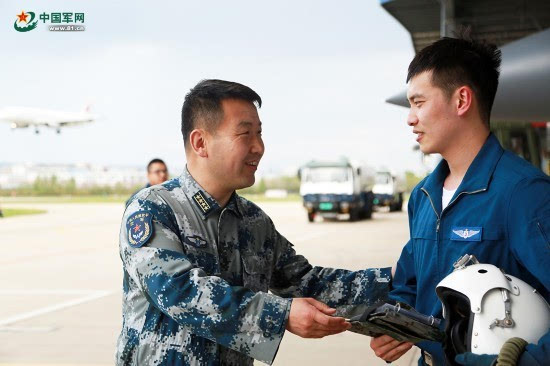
pixel 202 105
pixel 156 160
pixel 455 62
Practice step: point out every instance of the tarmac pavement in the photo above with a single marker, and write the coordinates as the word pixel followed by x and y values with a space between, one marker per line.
pixel 61 279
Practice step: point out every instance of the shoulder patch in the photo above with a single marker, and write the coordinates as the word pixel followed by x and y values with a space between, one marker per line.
pixel 140 228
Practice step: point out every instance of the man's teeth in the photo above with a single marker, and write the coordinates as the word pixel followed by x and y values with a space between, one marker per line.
pixel 254 163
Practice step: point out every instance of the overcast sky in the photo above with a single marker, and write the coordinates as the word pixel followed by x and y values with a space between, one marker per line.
pixel 322 68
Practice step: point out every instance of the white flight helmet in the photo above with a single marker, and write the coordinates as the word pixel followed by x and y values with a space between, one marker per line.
pixel 484 307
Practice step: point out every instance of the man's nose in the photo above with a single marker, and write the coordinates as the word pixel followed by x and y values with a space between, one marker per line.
pixel 412 119
pixel 257 146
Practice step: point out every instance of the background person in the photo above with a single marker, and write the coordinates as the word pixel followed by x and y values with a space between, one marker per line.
pixel 157 172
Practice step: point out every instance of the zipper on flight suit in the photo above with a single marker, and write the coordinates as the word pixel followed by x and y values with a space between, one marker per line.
pixel 449 205
pixel 440 216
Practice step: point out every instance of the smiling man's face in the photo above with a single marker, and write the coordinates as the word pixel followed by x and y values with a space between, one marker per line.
pixel 431 114
pixel 236 147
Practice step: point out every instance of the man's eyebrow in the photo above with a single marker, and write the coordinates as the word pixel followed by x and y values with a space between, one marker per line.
pixel 415 95
pixel 246 124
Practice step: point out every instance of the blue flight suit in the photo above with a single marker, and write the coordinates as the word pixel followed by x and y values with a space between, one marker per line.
pixel 504 196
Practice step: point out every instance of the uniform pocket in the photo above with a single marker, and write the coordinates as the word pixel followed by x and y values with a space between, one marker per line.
pixel 424 239
pixel 495 233
pixel 200 253
pixel 255 272
pixel 424 232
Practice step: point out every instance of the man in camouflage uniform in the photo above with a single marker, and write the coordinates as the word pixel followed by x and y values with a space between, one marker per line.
pixel 199 260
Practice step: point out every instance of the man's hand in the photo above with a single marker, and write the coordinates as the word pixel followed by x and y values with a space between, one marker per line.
pixel 388 348
pixel 471 359
pixel 310 318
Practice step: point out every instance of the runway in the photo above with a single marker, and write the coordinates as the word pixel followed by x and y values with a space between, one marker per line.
pixel 61 279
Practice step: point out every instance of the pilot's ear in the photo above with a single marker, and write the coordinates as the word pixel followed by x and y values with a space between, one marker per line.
pixel 197 140
pixel 464 100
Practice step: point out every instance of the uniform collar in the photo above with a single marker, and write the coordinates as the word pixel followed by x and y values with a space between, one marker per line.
pixel 478 175
pixel 235 205
pixel 202 201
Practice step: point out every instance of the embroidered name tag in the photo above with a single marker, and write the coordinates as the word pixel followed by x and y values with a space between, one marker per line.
pixel 201 202
pixel 140 228
pixel 195 241
pixel 466 233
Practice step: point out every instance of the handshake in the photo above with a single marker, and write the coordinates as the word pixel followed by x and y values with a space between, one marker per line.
pixel 310 318
pixel 394 326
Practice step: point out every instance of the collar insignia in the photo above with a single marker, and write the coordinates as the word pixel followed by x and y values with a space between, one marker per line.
pixel 466 233
pixel 202 203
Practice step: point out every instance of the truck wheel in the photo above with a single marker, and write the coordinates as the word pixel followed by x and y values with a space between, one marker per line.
pixel 353 215
pixel 369 206
pixel 311 216
pixel 368 212
pixel 362 212
pixel 398 206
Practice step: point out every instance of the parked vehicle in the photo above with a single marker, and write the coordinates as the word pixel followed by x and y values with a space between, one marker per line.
pixel 337 187
pixel 388 190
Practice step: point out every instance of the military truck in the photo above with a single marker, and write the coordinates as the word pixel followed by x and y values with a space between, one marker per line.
pixel 331 188
pixel 388 190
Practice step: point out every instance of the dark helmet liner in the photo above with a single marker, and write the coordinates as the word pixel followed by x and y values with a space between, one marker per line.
pixel 459 321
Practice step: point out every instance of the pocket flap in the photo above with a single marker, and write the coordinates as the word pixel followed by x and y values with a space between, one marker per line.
pixel 424 232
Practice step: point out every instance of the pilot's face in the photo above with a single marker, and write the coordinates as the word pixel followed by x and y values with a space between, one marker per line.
pixel 236 147
pixel 430 114
pixel 157 173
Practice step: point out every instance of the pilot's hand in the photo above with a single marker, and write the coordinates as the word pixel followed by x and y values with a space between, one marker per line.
pixel 388 348
pixel 310 318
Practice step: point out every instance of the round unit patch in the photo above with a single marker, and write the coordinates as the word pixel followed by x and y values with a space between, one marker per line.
pixel 140 228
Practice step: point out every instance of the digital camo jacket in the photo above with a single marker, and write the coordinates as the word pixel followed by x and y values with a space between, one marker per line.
pixel 196 280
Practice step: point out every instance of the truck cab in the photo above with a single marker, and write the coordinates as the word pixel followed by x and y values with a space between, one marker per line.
pixel 338 187
pixel 388 190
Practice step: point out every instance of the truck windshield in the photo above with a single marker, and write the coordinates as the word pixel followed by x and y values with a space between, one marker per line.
pixel 382 178
pixel 327 174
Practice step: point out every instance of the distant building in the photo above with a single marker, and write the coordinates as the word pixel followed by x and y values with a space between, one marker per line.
pixel 13 175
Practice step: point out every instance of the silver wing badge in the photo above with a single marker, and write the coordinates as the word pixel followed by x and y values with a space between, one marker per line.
pixel 465 234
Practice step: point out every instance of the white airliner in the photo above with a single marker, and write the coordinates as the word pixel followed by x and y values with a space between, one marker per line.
pixel 23 117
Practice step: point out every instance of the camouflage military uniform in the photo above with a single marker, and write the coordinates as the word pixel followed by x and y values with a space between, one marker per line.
pixel 196 280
